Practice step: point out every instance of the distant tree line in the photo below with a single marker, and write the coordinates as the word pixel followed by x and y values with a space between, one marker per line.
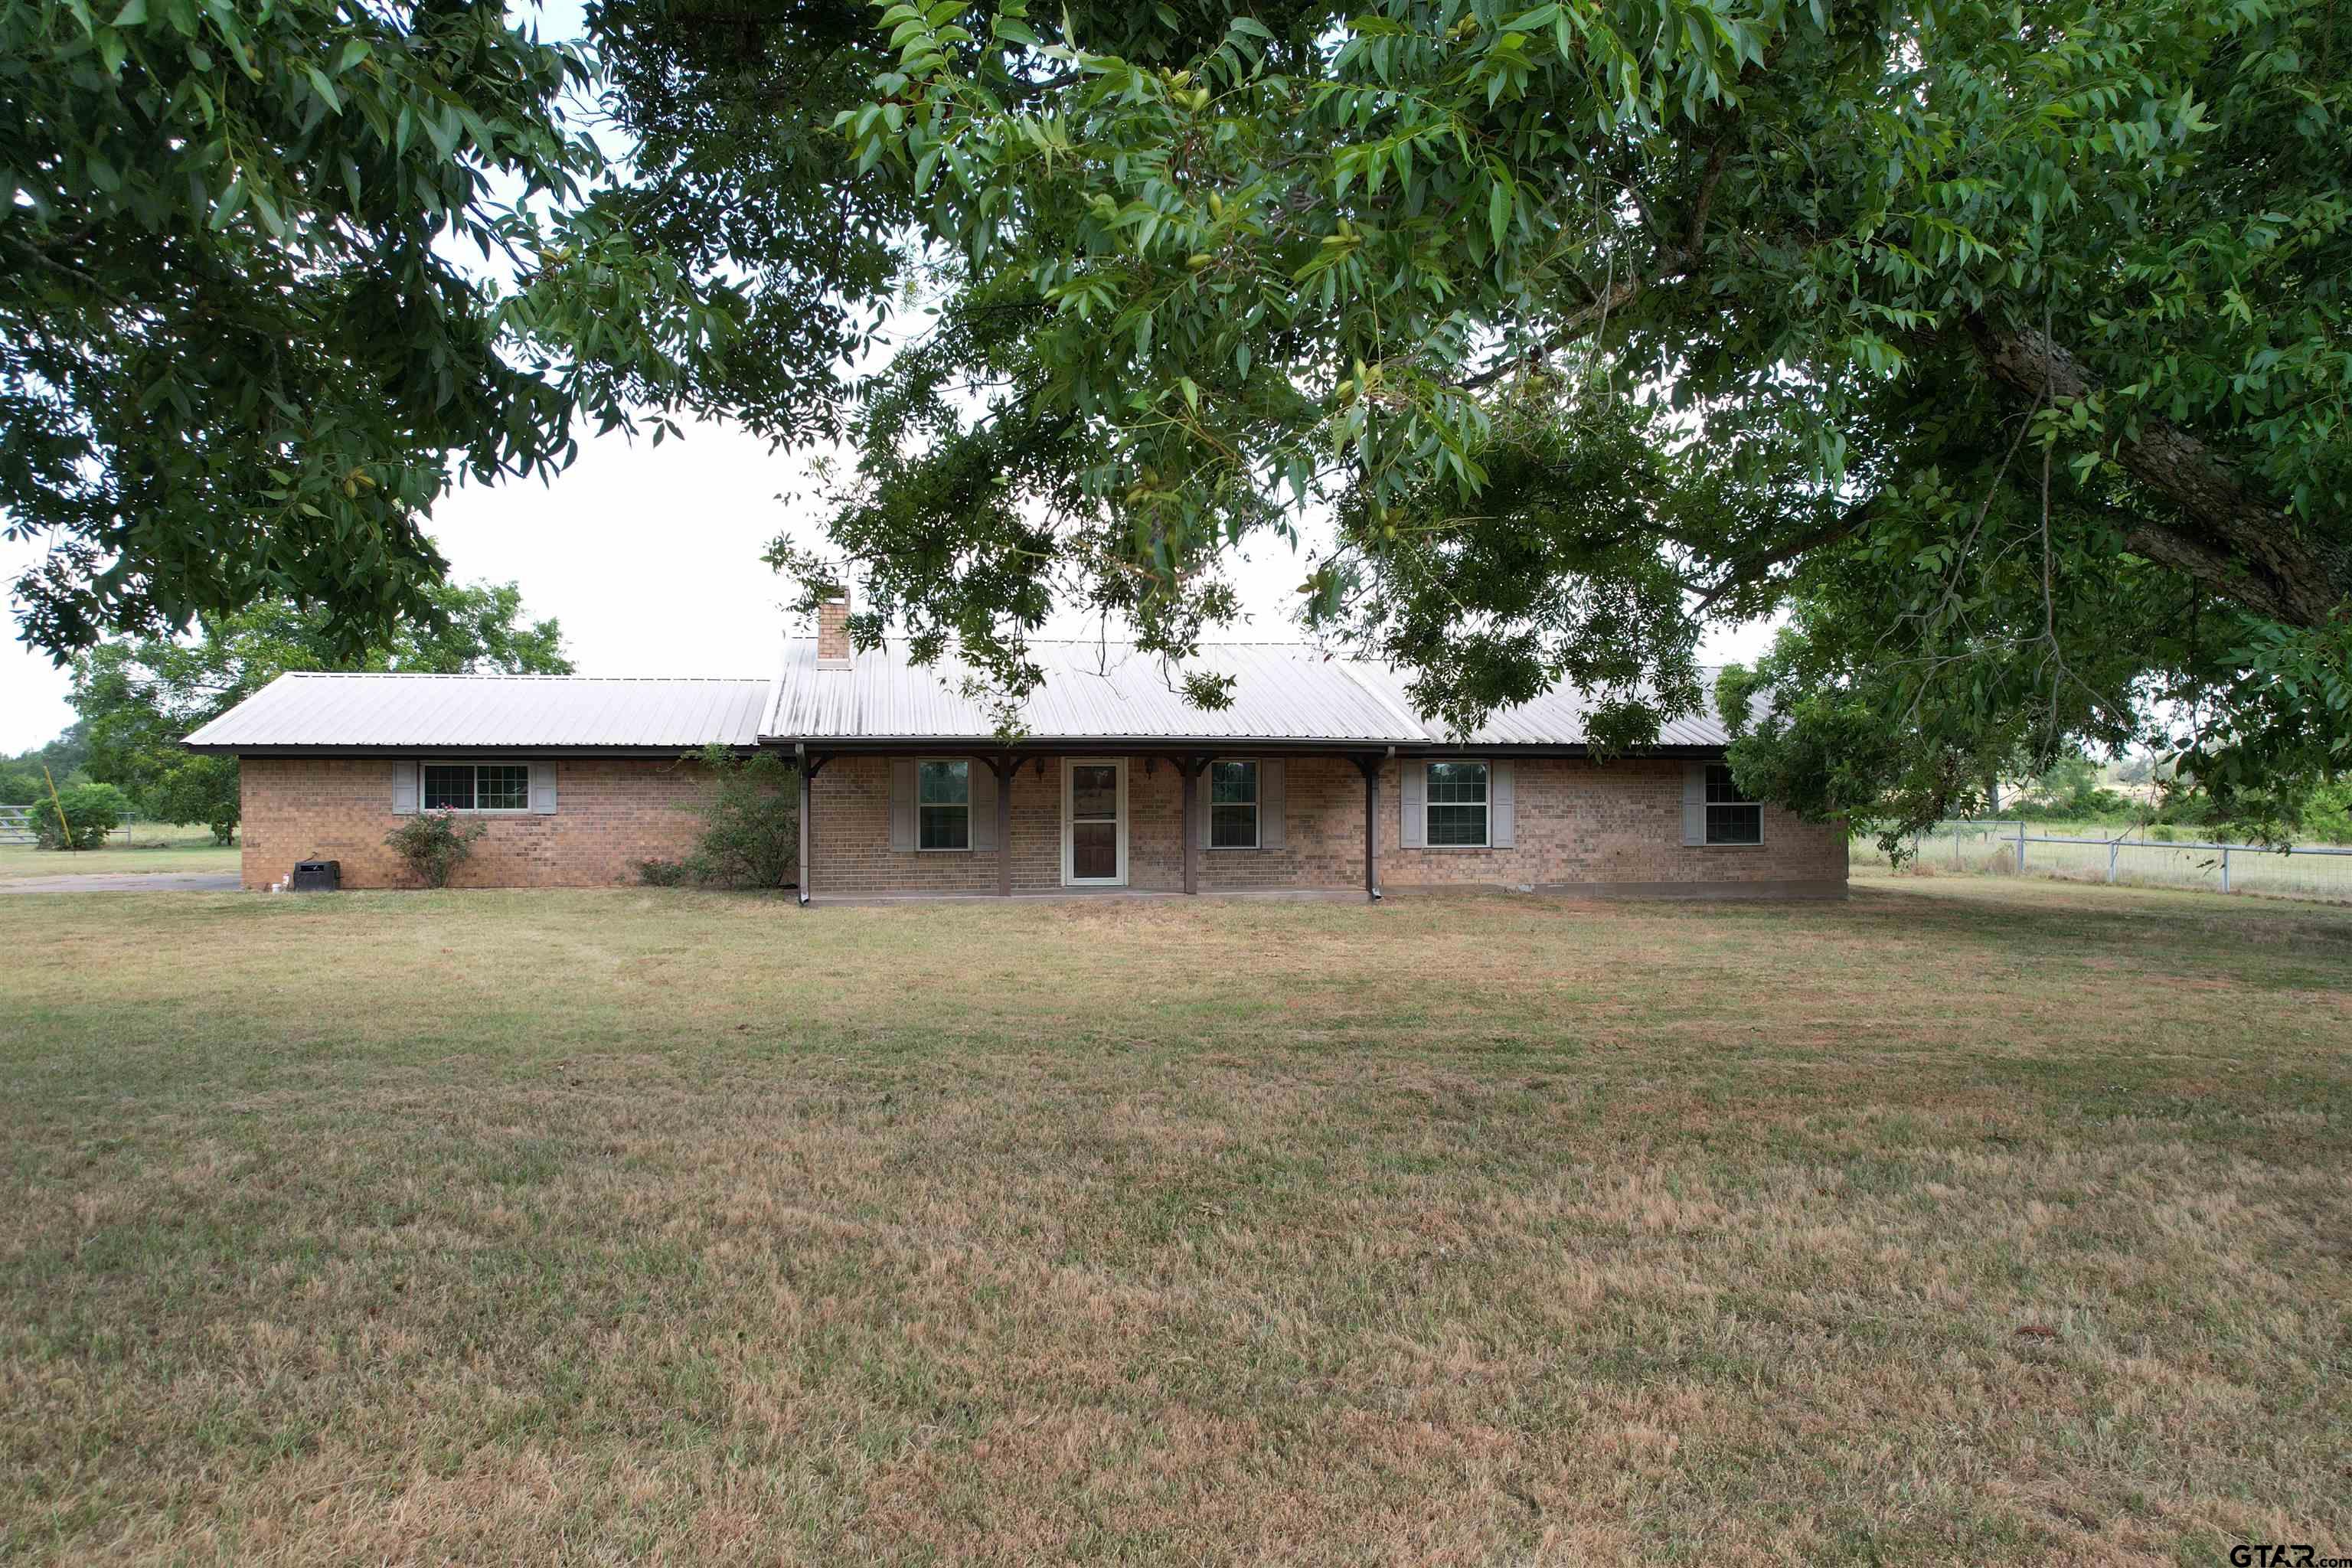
pixel 137 697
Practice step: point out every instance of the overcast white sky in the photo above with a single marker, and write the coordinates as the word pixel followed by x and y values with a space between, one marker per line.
pixel 650 559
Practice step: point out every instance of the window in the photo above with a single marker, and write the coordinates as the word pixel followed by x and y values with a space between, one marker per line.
pixel 1731 816
pixel 1233 806
pixel 1457 805
pixel 943 805
pixel 477 786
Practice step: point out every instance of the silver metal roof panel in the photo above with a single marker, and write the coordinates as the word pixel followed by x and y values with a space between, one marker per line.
pixel 1561 716
pixel 1101 691
pixel 1092 691
pixel 331 711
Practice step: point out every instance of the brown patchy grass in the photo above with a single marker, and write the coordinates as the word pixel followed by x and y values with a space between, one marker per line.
pixel 1965 1221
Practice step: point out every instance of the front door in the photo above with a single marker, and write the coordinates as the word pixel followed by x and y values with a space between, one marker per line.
pixel 1094 822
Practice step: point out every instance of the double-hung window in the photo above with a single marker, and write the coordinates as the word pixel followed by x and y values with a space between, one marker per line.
pixel 1233 806
pixel 1731 816
pixel 1457 805
pixel 943 805
pixel 477 786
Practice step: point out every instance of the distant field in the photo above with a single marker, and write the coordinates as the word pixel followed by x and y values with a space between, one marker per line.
pixel 142 847
pixel 2144 859
pixel 1971 1220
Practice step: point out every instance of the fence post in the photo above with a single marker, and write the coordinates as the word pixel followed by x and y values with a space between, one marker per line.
pixel 2225 868
pixel 2113 845
pixel 2020 848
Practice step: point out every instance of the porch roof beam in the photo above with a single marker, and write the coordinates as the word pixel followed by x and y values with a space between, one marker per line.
pixel 1177 750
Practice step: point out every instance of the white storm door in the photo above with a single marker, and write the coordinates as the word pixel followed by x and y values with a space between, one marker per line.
pixel 1094 822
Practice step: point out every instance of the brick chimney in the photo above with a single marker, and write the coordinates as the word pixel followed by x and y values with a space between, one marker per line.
pixel 832 632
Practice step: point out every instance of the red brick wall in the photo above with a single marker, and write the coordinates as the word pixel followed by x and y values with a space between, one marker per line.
pixel 1616 825
pixel 850 824
pixel 610 813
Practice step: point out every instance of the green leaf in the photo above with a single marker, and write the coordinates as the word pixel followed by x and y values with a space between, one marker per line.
pixel 323 87
pixel 231 202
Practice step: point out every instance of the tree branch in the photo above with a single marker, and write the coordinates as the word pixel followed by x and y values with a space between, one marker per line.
pixel 2230 537
pixel 1673 265
pixel 1709 177
pixel 1752 570
pixel 1573 326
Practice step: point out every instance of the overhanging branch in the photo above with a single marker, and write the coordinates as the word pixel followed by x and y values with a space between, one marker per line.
pixel 2229 538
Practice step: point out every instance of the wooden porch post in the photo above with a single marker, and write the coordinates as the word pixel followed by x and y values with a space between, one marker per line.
pixel 1372 771
pixel 1006 770
pixel 1189 767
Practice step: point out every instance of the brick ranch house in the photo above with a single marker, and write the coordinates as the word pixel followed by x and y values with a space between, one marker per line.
pixel 1117 782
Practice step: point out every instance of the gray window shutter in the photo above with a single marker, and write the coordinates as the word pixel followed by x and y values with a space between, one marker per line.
pixel 1413 794
pixel 1200 806
pixel 1694 803
pixel 403 786
pixel 1271 793
pixel 542 788
pixel 1502 808
pixel 983 805
pixel 902 803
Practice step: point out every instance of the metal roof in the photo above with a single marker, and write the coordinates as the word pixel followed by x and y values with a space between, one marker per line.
pixel 1112 691
pixel 466 712
pixel 1560 717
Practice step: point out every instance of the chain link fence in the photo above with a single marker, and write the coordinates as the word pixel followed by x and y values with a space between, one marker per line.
pixel 2316 871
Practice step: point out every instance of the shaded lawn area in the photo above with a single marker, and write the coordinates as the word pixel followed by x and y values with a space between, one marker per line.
pixel 1964 1221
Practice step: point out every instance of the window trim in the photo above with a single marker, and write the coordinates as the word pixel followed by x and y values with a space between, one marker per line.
pixel 1707 814
pixel 1256 806
pixel 477 765
pixel 1486 806
pixel 964 848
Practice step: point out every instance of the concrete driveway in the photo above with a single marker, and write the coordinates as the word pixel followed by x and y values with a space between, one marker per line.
pixel 127 882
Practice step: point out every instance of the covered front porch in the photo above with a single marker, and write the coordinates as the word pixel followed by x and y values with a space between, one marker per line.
pixel 885 821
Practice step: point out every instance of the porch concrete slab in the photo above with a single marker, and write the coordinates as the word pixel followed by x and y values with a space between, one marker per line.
pixel 1706 892
pixel 127 882
pixel 1072 895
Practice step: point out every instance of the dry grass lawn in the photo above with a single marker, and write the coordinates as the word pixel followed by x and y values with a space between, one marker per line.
pixel 1967 1221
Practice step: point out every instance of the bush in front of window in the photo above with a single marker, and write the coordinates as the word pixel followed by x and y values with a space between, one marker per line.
pixel 751 822
pixel 433 846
